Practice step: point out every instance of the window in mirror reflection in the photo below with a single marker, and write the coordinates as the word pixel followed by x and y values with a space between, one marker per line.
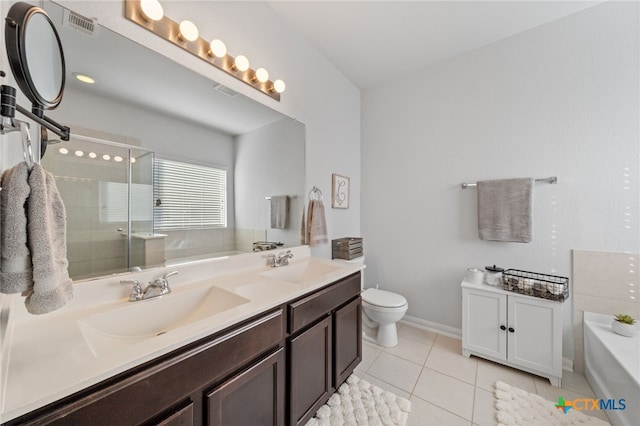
pixel 188 196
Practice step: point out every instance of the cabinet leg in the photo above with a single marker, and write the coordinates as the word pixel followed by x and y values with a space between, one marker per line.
pixel 466 353
pixel 556 381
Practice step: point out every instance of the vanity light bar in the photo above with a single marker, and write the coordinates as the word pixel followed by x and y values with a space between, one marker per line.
pixel 155 21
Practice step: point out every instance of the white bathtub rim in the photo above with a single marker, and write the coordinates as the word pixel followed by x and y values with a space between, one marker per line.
pixel 629 354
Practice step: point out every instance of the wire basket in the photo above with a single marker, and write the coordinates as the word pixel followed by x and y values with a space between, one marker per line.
pixel 538 285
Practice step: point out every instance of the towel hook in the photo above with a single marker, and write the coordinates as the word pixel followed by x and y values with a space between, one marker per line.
pixel 315 192
pixel 27 149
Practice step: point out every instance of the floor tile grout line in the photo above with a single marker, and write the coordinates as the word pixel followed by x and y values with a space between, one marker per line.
pixel 442 408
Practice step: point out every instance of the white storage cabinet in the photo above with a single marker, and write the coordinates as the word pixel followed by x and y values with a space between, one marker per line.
pixel 520 331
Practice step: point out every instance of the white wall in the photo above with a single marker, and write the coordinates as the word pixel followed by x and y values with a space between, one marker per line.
pixel 561 99
pixel 268 163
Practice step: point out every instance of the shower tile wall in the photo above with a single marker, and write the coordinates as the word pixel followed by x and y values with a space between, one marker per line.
pixel 198 243
pixel 606 283
pixel 93 245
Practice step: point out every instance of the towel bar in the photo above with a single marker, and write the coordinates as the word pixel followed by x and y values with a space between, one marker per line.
pixel 552 180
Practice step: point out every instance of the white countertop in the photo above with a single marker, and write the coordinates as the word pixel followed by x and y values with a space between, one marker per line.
pixel 48 358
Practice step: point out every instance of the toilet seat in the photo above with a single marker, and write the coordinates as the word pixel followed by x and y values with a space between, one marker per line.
pixel 383 299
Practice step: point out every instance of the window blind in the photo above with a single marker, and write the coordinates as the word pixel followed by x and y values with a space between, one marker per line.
pixel 189 196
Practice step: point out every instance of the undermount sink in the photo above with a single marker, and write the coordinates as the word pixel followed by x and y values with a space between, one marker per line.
pixel 139 321
pixel 302 272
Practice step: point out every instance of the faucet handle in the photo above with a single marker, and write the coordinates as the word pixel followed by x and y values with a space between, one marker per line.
pixel 136 291
pixel 170 274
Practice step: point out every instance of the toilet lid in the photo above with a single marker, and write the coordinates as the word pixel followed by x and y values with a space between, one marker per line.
pixel 377 297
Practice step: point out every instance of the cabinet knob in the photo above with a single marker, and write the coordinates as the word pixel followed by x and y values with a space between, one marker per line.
pixel 503 328
pixel 511 330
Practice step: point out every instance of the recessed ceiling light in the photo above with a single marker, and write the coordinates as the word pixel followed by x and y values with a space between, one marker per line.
pixel 83 78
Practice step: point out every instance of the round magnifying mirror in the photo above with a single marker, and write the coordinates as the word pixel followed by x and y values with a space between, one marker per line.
pixel 35 54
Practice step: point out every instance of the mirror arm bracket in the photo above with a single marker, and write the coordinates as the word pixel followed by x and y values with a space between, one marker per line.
pixel 57 128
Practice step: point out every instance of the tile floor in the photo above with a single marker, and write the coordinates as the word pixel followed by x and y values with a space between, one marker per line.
pixel 444 387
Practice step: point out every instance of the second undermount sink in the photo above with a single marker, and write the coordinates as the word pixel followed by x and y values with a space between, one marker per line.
pixel 302 272
pixel 139 321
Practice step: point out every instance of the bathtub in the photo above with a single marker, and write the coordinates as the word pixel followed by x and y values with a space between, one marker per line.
pixel 612 367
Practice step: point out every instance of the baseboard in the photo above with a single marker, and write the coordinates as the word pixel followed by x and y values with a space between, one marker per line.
pixel 432 326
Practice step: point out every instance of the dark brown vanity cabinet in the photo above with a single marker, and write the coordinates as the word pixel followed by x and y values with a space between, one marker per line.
pixel 172 390
pixel 275 369
pixel 253 397
pixel 325 345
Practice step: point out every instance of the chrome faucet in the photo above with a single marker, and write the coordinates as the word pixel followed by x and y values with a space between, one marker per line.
pixel 157 287
pixel 282 259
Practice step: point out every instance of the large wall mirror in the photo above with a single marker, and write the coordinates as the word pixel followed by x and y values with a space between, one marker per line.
pixel 164 166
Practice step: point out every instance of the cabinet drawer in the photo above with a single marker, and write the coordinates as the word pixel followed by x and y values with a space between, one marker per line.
pixel 308 309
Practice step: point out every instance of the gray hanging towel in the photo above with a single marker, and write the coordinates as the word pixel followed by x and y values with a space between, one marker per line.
pixel 279 211
pixel 47 231
pixel 505 210
pixel 15 257
pixel 316 224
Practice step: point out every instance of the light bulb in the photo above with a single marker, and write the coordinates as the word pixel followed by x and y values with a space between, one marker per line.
pixel 241 63
pixel 106 157
pixel 152 9
pixel 262 75
pixel 117 159
pixel 133 159
pixel 92 155
pixel 217 48
pixel 63 151
pixel 188 30
pixel 83 78
pixel 79 153
pixel 279 86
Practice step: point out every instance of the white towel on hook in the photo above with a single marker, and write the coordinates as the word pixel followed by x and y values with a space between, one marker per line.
pixel 47 232
pixel 15 265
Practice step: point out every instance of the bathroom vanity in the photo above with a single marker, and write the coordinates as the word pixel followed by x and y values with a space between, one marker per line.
pixel 283 341
pixel 520 331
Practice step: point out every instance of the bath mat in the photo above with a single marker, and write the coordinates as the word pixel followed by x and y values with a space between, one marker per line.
pixel 358 402
pixel 517 407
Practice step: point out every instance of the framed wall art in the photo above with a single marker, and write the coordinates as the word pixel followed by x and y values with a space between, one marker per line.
pixel 339 192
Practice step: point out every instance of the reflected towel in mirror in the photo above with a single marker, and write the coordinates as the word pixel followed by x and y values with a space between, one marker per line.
pixel 279 211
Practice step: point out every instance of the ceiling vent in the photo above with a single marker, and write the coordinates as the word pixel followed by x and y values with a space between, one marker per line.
pixel 80 23
pixel 226 90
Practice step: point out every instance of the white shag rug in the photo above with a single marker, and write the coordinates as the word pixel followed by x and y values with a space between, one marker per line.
pixel 358 402
pixel 516 407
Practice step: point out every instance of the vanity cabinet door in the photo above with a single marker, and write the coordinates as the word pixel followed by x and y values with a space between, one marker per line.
pixel 535 336
pixel 253 397
pixel 310 373
pixel 484 323
pixel 347 339
pixel 182 417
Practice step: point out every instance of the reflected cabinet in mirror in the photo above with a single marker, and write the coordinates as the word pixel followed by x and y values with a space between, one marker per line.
pixel 164 166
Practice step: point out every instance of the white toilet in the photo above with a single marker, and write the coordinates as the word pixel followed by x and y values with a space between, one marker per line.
pixel 382 309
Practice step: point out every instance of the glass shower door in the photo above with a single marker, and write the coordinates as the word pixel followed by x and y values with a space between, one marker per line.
pixel 93 177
